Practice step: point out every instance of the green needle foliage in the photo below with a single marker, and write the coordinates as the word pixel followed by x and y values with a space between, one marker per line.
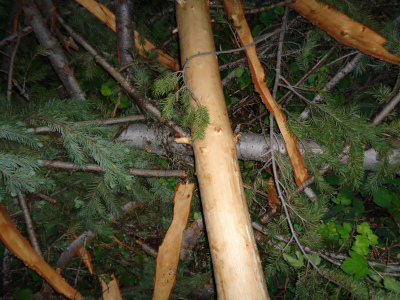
pixel 176 105
pixel 348 231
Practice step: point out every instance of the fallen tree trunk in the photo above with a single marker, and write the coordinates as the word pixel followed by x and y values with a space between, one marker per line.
pixel 236 263
pixel 251 146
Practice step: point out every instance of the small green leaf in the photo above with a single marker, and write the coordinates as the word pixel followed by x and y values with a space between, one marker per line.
pixel 391 284
pixel 361 245
pixel 344 230
pixel 197 215
pixel 339 99
pixel 295 263
pixel 363 228
pixel 239 72
pixel 256 31
pixel 279 10
pixel 316 260
pixel 373 239
pixel 164 162
pixel 342 199
pixel 124 102
pixel 355 265
pixel 224 58
pixel 382 197
pixel 311 80
pixel 79 203
pixel 358 205
pixel 105 90
pixel 266 17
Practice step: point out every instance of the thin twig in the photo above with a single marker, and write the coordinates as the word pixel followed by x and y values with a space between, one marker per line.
pixel 45 197
pixel 29 224
pixel 96 168
pixel 386 110
pixel 80 262
pixel 277 185
pixel 314 69
pixel 26 30
pixel 11 70
pixel 332 83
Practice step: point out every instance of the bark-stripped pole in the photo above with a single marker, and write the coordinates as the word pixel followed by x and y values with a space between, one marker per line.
pixel 236 263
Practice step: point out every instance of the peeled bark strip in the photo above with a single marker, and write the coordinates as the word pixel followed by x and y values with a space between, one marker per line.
pixel 57 59
pixel 110 290
pixel 125 36
pixel 83 254
pixel 20 247
pixel 236 263
pixel 344 30
pixel 235 10
pixel 168 253
pixel 104 14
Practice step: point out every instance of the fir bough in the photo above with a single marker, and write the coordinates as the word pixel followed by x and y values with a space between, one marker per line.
pixel 18 173
pixel 176 104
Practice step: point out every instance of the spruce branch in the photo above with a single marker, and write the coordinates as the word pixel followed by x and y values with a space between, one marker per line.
pixel 140 100
pixel 17 132
pixel 79 144
pixel 111 121
pixel 18 173
pixel 313 70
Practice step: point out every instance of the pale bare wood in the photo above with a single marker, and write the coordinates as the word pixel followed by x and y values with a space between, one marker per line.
pixel 168 252
pixel 235 10
pixel 20 247
pixel 236 264
pixel 344 30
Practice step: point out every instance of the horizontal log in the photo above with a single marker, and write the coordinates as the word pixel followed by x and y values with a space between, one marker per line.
pixel 251 146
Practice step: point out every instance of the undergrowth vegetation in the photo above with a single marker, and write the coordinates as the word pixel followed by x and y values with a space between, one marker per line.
pixel 349 231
